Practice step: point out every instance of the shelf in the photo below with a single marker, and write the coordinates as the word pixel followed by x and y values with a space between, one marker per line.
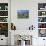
pixel 42 19
pixel 4 19
pixel 41 28
pixel 41 10
pixel 3 10
pixel 3 16
pixel 3 22
pixel 42 16
pixel 41 22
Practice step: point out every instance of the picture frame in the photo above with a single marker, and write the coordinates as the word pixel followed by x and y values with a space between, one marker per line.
pixel 21 14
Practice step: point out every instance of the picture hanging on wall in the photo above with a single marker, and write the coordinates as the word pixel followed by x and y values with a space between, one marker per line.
pixel 23 13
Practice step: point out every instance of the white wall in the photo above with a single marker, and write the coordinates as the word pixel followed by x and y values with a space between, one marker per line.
pixel 23 24
pixel 32 6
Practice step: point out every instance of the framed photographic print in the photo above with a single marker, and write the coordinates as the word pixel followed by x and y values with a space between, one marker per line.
pixel 23 13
